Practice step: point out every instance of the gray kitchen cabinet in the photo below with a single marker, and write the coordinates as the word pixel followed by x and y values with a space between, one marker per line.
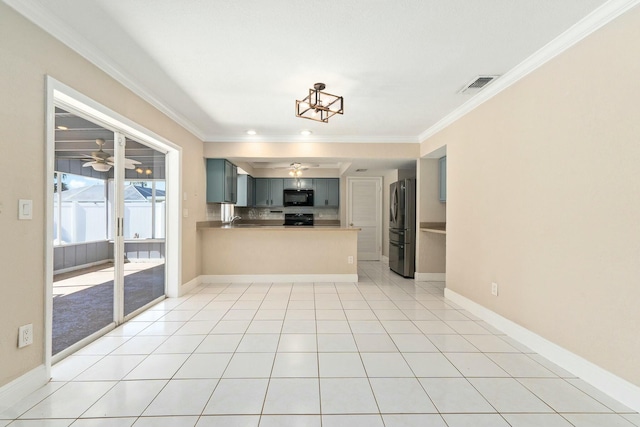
pixel 222 181
pixel 442 172
pixel 305 183
pixel 269 192
pixel 246 190
pixel 326 192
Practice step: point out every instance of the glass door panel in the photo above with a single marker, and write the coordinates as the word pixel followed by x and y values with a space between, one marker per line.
pixel 144 226
pixel 83 277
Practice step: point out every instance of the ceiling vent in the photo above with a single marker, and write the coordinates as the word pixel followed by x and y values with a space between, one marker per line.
pixel 361 170
pixel 477 83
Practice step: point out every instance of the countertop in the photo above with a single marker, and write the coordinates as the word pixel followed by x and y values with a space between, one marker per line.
pixel 274 225
pixel 434 227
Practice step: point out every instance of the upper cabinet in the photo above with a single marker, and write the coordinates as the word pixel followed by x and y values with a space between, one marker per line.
pixel 326 192
pixel 442 164
pixel 298 183
pixel 246 191
pixel 269 192
pixel 222 181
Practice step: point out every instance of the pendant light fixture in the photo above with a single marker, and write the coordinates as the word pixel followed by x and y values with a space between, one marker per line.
pixel 319 105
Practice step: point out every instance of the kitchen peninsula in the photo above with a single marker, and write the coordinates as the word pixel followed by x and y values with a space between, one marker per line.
pixel 275 253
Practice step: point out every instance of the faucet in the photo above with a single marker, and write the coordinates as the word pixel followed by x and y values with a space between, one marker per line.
pixel 234 218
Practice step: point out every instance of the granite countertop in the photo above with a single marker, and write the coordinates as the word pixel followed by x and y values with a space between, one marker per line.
pixel 434 227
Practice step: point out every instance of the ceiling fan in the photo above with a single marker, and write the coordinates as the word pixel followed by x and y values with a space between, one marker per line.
pixel 102 161
pixel 295 168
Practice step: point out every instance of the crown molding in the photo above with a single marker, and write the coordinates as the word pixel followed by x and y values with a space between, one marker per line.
pixel 52 25
pixel 583 28
pixel 371 139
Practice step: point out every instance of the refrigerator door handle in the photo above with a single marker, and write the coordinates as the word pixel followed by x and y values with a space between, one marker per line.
pixel 394 204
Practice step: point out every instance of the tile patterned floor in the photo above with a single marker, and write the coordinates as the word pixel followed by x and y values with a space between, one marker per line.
pixel 386 351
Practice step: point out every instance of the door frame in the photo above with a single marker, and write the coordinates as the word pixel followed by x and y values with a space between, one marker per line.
pixel 379 181
pixel 60 95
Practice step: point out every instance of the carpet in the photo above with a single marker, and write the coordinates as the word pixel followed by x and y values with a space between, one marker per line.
pixel 80 314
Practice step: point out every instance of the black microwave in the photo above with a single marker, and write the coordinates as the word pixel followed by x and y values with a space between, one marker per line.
pixel 298 197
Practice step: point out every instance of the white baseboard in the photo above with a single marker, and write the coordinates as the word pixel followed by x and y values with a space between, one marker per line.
pixel 278 278
pixel 611 384
pixel 189 286
pixel 21 387
pixel 430 277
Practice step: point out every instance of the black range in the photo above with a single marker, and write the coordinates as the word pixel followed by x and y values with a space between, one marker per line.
pixel 298 219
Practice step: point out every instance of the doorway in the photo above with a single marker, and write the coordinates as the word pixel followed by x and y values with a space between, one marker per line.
pixel 364 211
pixel 111 202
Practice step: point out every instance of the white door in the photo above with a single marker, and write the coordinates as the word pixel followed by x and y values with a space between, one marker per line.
pixel 364 211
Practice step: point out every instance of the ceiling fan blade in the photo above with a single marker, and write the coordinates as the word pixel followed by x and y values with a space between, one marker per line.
pixel 87 164
pixel 128 166
pixel 99 155
pixel 111 160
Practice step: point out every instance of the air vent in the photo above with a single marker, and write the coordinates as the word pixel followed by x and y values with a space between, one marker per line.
pixel 361 170
pixel 477 83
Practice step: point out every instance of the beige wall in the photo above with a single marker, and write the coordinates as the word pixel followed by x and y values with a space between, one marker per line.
pixel 544 199
pixel 241 251
pixel 315 150
pixel 27 54
pixel 430 253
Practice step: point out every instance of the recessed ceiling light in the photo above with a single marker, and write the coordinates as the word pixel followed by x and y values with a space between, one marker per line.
pixel 306 132
pixel 251 132
pixel 62 127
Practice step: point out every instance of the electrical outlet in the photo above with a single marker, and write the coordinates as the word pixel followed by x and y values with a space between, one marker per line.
pixel 25 335
pixel 349 260
pixel 494 289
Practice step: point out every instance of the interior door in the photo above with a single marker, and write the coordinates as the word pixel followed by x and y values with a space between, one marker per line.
pixel 364 197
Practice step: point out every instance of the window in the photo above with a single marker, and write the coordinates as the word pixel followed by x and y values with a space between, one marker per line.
pixel 80 209
pixel 144 205
pixel 82 212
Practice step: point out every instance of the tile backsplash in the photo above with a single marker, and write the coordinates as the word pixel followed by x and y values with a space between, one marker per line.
pixel 214 212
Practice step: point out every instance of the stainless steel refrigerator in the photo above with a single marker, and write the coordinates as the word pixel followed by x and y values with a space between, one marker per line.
pixel 402 227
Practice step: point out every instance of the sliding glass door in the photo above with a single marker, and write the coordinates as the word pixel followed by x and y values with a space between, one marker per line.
pixel 109 227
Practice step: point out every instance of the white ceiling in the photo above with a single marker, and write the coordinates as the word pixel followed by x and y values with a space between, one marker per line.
pixel 221 67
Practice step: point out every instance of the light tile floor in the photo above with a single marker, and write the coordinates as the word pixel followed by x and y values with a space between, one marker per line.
pixel 386 351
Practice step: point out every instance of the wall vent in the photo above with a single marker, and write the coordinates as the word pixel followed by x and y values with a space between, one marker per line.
pixel 477 83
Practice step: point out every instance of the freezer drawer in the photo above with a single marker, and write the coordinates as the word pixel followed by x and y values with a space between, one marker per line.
pixel 401 235
pixel 396 256
pixel 401 258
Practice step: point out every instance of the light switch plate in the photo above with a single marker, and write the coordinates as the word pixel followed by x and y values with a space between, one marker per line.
pixel 25 209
